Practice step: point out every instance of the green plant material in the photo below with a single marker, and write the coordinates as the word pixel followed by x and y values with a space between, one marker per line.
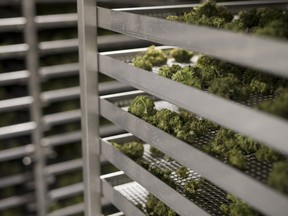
pixel 188 76
pixel 69 179
pixel 163 174
pixel 277 106
pixel 267 154
pixel 206 14
pixel 211 68
pixel 232 146
pixel 182 172
pixel 235 26
pixel 187 116
pixel 278 176
pixel 247 145
pixel 167 120
pixel 249 18
pixel 156 152
pixel 266 15
pixel 155 207
pixel 237 159
pixel 237 208
pixel 66 202
pixel 142 106
pixel 133 149
pixel 181 55
pixel 258 86
pixel 173 18
pixel 167 71
pixel 201 127
pixel 155 56
pixel 191 187
pixel 276 28
pixel 140 62
pixel 229 87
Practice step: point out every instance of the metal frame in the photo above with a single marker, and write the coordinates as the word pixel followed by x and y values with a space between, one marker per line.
pixel 33 75
pixel 232 115
pixel 89 105
pixel 30 33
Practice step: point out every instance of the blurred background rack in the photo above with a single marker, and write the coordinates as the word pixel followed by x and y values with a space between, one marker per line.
pixel 40 132
pixel 135 181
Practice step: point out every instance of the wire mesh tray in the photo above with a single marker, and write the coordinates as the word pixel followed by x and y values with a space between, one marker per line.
pixel 128 55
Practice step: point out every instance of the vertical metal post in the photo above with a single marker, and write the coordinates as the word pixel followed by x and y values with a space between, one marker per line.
pixel 87 31
pixel 32 62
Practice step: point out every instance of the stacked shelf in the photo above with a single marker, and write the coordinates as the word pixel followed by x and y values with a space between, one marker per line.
pixel 148 23
pixel 16 142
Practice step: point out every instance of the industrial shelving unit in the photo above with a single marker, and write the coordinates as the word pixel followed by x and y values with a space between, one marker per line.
pixel 36 153
pixel 128 188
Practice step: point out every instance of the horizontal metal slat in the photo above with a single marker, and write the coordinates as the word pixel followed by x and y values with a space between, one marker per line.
pixel 60 95
pixel 119 200
pixel 265 54
pixel 66 191
pixel 17 130
pixel 13 77
pixel 117 214
pixel 160 189
pixel 15 180
pixel 228 178
pixel 107 130
pixel 70 210
pixel 74 92
pixel 59 46
pixel 57 20
pixel 113 87
pixel 61 118
pixel 116 42
pixel 15 103
pixel 9 24
pixel 12 51
pixel 15 201
pixel 64 167
pixel 17 152
pixel 59 71
pixel 239 118
pixel 63 138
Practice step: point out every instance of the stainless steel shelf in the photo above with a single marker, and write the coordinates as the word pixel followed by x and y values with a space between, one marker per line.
pixel 12 24
pixel 74 92
pixel 230 179
pixel 59 46
pixel 107 130
pixel 229 114
pixel 212 40
pixel 15 104
pixel 15 153
pixel 15 201
pixel 64 167
pixel 17 130
pixel 61 118
pixel 15 180
pixel 56 21
pixel 71 210
pixel 116 42
pixel 62 139
pixel 66 191
pixel 12 51
pixel 59 71
pixel 160 189
pixel 113 87
pixel 60 95
pixel 116 197
pixel 14 77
